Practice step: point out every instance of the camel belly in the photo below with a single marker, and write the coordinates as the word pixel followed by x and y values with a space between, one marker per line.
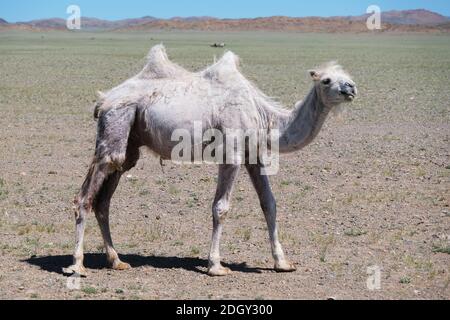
pixel 164 126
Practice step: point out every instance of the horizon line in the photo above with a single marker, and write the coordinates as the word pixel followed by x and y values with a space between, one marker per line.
pixel 213 17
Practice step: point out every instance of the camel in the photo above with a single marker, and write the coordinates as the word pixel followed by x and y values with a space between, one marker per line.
pixel 146 109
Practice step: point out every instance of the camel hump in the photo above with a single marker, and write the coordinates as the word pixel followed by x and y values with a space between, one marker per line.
pixel 224 70
pixel 160 67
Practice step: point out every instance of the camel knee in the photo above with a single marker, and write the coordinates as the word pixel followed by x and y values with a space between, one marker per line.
pixel 81 205
pixel 112 161
pixel 220 210
pixel 121 161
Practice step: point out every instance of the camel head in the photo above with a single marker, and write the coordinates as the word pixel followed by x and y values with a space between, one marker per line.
pixel 334 85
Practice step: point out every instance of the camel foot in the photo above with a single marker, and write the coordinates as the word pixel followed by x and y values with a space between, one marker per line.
pixel 79 270
pixel 120 266
pixel 285 266
pixel 219 271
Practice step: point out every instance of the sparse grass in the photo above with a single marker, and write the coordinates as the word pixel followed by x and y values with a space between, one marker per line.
pixel 355 233
pixel 405 280
pixel 441 249
pixel 34 227
pixel 195 251
pixel 348 200
pixel 89 290
pixel 173 190
pixel 144 192
pixel 419 264
pixel 3 189
pixel 193 200
pixel 376 168
pixel 245 233
pixel 420 172
pixel 160 182
pixel 324 242
pixel 154 233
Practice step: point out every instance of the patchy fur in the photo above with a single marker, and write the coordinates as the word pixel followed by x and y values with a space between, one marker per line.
pixel 146 110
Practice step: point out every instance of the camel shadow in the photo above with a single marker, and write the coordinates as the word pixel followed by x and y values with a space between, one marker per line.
pixel 97 261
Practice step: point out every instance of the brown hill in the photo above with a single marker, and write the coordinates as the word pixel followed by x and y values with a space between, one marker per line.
pixel 88 24
pixel 408 17
pixel 312 24
pixel 420 16
pixel 392 21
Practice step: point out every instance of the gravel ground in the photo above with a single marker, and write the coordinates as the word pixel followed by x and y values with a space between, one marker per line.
pixel 371 191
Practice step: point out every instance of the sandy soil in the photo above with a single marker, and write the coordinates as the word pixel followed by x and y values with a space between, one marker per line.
pixel 372 190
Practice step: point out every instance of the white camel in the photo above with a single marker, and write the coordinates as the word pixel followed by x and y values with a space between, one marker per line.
pixel 146 109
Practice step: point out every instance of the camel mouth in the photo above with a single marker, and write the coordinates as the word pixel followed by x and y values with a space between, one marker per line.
pixel 349 97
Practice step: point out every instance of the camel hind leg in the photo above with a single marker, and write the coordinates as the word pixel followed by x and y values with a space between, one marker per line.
pixel 97 174
pixel 113 134
pixel 102 205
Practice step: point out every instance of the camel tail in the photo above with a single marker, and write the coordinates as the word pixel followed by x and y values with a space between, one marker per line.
pixel 99 104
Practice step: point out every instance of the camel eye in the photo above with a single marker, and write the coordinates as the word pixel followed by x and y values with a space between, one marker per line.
pixel 326 81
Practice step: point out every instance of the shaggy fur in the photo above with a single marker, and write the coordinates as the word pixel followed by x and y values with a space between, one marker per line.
pixel 146 109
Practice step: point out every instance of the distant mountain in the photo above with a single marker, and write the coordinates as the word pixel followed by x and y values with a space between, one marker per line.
pixel 203 18
pixel 51 23
pixel 420 16
pixel 288 24
pixel 2 21
pixel 86 23
pixel 408 17
pixel 392 21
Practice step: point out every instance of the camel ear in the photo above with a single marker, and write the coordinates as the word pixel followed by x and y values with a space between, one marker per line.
pixel 100 95
pixel 315 75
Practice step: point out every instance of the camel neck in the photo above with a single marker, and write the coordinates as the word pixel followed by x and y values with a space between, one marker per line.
pixel 304 123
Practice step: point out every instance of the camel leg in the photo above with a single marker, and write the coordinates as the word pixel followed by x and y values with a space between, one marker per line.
pixel 97 174
pixel 102 205
pixel 101 209
pixel 268 205
pixel 112 151
pixel 221 206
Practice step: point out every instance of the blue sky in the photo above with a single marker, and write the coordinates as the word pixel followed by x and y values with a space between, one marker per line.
pixel 23 10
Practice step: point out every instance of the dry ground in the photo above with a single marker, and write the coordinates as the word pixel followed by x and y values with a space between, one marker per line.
pixel 373 189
